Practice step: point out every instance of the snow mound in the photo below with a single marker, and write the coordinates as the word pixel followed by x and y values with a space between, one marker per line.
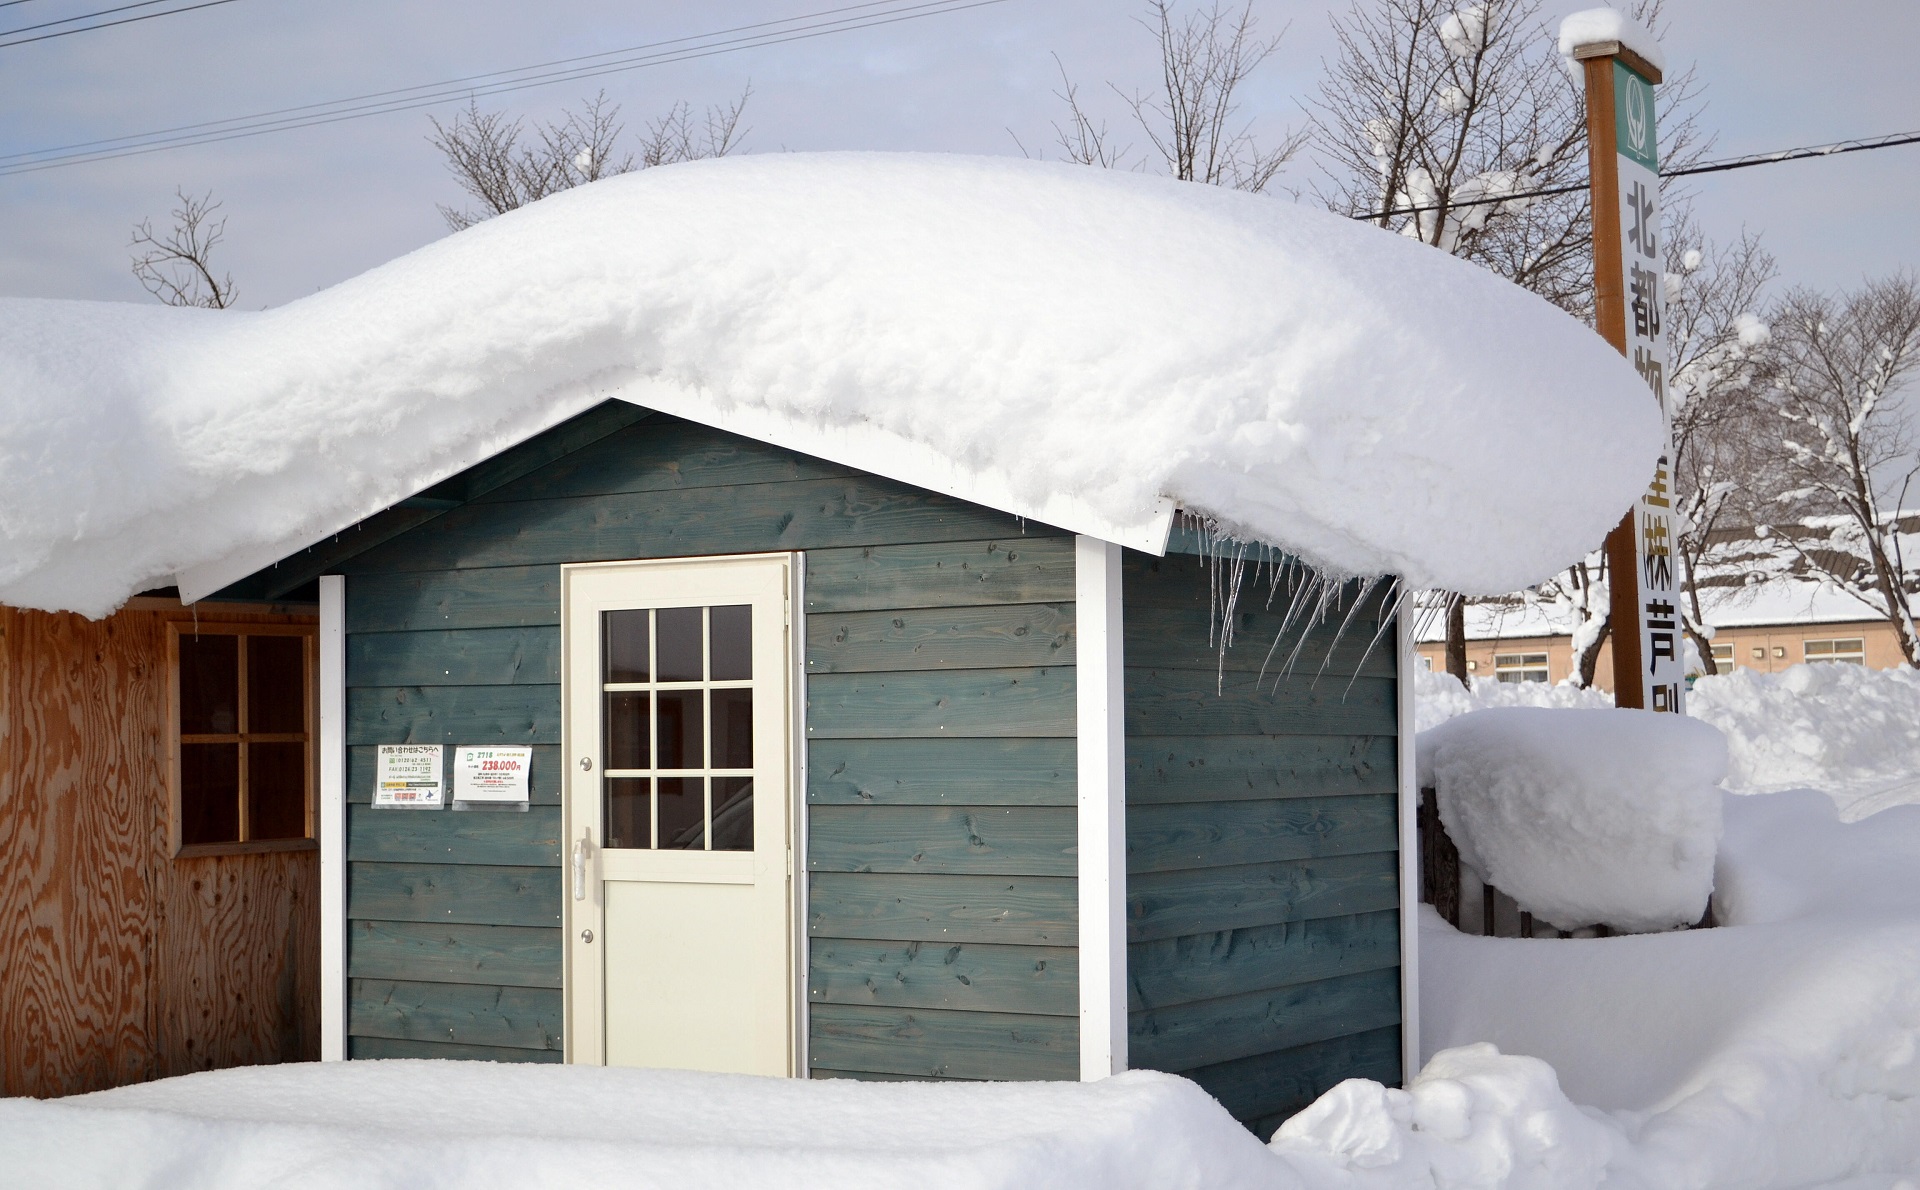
pixel 1078 343
pixel 1850 731
pixel 416 1125
pixel 1610 24
pixel 1779 1051
pixel 1473 1119
pixel 1438 697
pixel 1583 816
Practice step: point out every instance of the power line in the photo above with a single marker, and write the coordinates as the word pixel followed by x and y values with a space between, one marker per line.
pixel 85 16
pixel 656 53
pixel 104 24
pixel 1705 167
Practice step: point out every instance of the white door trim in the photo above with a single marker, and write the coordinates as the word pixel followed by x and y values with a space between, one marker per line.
pixel 585 1037
pixel 1101 752
pixel 1409 661
pixel 798 892
pixel 331 826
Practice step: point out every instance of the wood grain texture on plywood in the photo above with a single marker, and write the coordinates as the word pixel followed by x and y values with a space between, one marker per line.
pixel 121 963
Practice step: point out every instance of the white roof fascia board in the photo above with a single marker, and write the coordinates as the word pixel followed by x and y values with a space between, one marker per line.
pixel 887 454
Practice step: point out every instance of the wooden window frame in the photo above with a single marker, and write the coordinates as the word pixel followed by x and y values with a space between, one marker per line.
pixel 310 660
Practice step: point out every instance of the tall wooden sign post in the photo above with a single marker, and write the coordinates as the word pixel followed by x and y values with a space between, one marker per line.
pixel 1649 659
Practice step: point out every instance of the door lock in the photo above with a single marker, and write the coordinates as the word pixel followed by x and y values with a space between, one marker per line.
pixel 586 936
pixel 586 764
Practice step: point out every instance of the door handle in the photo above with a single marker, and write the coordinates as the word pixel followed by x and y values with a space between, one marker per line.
pixel 581 847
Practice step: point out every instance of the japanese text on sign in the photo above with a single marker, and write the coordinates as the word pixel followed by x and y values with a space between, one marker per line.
pixel 408 775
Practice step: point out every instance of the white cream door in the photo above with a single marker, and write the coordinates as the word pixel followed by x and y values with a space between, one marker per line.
pixel 677 717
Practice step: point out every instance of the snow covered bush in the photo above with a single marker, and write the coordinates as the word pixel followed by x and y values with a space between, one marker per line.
pixel 1583 816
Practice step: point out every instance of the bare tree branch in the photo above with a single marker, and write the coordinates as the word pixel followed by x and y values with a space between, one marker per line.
pixel 176 265
pixel 1192 119
pixel 498 169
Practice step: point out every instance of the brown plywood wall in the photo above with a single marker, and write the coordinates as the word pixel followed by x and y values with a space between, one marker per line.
pixel 119 963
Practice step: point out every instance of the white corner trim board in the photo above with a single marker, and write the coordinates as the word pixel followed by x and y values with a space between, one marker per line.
pixel 1409 851
pixel 332 825
pixel 1100 685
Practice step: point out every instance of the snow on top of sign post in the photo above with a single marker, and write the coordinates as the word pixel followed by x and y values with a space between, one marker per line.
pixel 1077 346
pixel 1593 25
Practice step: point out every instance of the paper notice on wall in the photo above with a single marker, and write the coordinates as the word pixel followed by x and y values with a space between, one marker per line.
pixel 491 777
pixel 409 776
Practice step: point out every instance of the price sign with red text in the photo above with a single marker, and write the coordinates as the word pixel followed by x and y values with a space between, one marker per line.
pixel 493 775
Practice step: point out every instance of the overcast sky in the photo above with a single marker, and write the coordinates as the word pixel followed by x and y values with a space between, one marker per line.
pixel 309 208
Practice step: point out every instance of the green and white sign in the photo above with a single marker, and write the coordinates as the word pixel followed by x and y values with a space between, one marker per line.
pixel 1633 116
pixel 1642 275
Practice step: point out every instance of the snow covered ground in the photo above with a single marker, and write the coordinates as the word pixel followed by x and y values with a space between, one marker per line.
pixel 1780 1051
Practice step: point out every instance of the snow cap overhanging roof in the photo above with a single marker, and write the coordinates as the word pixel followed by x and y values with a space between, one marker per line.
pixel 1083 347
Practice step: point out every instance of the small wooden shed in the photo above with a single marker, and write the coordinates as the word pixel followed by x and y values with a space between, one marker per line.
pixel 834 775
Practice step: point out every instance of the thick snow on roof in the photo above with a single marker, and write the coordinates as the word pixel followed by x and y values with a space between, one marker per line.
pixel 1593 25
pixel 1078 346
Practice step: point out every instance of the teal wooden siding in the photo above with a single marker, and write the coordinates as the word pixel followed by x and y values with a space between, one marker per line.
pixel 1262 867
pixel 941 793
pixel 940 682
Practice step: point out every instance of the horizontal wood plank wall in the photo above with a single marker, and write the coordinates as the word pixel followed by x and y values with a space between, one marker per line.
pixel 940 658
pixel 118 962
pixel 1262 887
pixel 941 799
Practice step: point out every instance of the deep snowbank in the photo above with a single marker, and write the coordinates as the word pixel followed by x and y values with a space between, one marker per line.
pixel 1850 731
pixel 1583 816
pixel 1780 1050
pixel 410 1125
pixel 1073 339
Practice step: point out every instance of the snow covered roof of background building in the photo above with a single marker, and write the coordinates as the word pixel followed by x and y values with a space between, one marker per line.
pixel 1082 347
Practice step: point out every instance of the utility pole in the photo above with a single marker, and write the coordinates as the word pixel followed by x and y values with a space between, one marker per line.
pixel 1649 663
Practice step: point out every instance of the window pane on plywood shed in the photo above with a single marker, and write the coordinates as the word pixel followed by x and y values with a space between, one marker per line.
pixel 277 791
pixel 276 684
pixel 209 684
pixel 209 792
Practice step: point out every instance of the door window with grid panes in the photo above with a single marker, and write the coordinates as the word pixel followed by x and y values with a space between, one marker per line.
pixel 242 735
pixel 677 691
